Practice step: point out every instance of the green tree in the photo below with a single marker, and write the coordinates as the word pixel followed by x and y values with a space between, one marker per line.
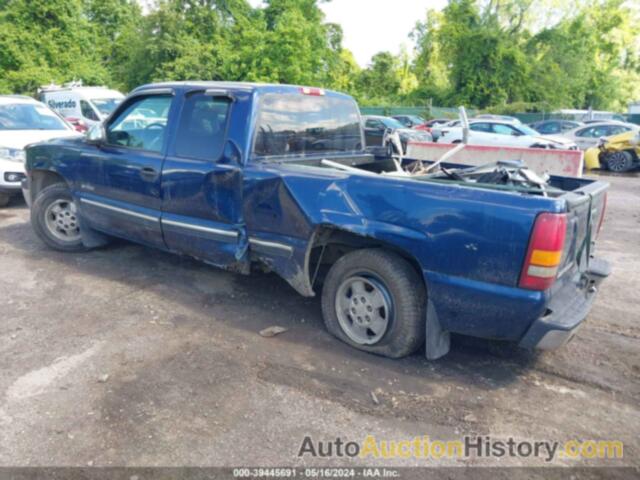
pixel 117 27
pixel 46 40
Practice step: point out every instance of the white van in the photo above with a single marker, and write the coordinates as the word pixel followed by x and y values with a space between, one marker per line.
pixel 79 105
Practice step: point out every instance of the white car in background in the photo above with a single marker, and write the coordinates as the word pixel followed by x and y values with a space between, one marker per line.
pixel 81 106
pixel 587 136
pixel 504 133
pixel 23 121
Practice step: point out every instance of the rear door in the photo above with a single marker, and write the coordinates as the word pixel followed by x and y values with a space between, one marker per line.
pixel 123 197
pixel 202 187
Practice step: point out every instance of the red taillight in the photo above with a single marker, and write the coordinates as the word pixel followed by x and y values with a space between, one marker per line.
pixel 604 208
pixel 316 92
pixel 545 251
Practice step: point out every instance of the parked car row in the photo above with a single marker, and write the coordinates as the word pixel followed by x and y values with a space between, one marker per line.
pixel 503 133
pixel 507 131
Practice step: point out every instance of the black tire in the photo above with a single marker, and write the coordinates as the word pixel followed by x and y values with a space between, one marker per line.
pixel 4 199
pixel 619 161
pixel 45 198
pixel 405 332
pixel 539 145
pixel 456 141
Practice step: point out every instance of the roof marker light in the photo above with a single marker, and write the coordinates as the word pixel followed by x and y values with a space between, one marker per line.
pixel 313 91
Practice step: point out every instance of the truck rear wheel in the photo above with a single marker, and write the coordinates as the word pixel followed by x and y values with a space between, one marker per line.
pixel 375 301
pixel 619 161
pixel 55 219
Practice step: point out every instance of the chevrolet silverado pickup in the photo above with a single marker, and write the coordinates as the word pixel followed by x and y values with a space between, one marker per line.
pixel 277 178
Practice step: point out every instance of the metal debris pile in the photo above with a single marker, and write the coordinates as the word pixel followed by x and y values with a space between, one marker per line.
pixel 504 173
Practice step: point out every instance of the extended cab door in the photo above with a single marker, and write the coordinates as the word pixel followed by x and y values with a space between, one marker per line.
pixel 122 193
pixel 202 187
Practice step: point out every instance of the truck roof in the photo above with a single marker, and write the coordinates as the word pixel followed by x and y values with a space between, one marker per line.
pixel 238 86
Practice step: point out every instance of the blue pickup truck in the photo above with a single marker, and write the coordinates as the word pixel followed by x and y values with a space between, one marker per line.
pixel 273 177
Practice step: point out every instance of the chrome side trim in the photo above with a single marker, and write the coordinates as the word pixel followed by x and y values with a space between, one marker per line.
pixel 272 245
pixel 191 226
pixel 119 210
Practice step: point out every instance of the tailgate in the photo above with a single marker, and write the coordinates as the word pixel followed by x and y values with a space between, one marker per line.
pixel 585 208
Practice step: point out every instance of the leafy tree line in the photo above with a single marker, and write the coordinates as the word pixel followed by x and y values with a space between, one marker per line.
pixel 500 54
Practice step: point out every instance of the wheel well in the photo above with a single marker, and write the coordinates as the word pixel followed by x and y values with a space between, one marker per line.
pixel 41 179
pixel 634 154
pixel 330 244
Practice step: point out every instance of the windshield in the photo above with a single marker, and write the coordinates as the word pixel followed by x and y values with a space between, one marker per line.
pixel 297 124
pixel 416 119
pixel 28 116
pixel 392 123
pixel 106 105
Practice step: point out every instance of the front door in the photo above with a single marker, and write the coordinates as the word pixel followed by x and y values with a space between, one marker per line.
pixel 202 187
pixel 124 199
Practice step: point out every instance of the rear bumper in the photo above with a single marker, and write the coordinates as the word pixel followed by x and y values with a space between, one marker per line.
pixel 567 310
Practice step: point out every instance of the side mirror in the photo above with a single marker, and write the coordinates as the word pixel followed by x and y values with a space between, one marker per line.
pixel 96 134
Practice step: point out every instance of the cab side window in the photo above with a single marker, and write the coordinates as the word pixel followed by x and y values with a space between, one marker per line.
pixel 142 124
pixel 87 111
pixel 201 132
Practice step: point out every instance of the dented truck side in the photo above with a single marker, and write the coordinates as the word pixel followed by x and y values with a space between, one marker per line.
pixel 483 259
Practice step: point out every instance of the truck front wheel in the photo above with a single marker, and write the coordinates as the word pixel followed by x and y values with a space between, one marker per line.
pixel 55 219
pixel 375 301
pixel 4 199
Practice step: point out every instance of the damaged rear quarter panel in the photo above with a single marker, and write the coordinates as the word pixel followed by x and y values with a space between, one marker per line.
pixel 459 236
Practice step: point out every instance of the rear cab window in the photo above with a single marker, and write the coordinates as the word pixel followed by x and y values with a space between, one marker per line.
pixel 296 124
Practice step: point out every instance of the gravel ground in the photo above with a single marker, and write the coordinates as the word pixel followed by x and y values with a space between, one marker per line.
pixel 130 356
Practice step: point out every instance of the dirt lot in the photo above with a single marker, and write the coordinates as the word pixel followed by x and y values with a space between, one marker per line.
pixel 130 356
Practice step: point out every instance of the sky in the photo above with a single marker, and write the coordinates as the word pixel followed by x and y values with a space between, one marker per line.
pixel 371 26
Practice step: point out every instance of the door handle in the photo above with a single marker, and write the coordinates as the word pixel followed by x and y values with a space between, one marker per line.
pixel 149 173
